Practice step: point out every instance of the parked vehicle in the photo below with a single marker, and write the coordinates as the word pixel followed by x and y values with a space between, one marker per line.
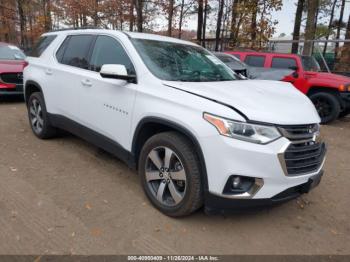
pixel 172 110
pixel 329 92
pixel 11 70
pixel 246 71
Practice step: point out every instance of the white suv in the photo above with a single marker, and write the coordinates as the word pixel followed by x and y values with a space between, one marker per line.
pixel 196 133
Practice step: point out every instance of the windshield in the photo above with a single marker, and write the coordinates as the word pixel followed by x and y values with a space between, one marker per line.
pixel 10 52
pixel 181 62
pixel 310 64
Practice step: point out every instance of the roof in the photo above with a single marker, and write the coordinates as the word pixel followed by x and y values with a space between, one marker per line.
pixel 134 35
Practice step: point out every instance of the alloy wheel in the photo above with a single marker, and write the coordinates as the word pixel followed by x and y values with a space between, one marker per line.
pixel 165 176
pixel 36 116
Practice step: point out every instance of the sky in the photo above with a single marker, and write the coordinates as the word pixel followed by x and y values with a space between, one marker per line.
pixel 285 17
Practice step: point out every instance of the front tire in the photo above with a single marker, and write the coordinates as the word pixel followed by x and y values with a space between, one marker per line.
pixel 327 106
pixel 169 170
pixel 38 117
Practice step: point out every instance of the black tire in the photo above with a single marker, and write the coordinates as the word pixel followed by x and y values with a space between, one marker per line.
pixel 47 130
pixel 327 106
pixel 184 151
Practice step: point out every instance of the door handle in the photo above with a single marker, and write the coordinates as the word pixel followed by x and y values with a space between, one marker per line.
pixel 48 72
pixel 86 82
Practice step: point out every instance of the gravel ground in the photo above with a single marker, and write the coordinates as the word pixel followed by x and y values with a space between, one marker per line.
pixel 64 196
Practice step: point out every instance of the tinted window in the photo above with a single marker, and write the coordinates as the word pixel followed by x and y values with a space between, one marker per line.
pixel 62 49
pixel 109 51
pixel 280 62
pixel 41 45
pixel 254 60
pixel 77 51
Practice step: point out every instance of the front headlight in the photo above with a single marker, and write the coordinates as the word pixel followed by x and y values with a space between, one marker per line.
pixel 259 134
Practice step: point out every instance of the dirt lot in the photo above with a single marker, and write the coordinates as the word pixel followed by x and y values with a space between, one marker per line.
pixel 64 196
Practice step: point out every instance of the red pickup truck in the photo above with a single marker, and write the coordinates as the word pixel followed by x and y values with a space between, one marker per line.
pixel 11 70
pixel 329 92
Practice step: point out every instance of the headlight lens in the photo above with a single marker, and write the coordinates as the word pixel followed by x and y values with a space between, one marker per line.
pixel 244 131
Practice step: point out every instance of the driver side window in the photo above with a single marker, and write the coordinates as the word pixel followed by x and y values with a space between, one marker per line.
pixel 109 51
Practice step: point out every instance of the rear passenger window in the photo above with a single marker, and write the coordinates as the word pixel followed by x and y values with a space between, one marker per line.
pixel 254 60
pixel 77 51
pixel 281 62
pixel 41 45
pixel 62 49
pixel 109 51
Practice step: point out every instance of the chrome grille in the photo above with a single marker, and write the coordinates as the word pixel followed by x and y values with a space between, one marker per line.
pixel 305 154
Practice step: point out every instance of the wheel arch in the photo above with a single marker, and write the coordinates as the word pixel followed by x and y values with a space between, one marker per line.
pixel 30 88
pixel 318 89
pixel 150 126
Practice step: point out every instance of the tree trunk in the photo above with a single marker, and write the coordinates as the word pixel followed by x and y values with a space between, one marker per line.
pixel 23 23
pixel 340 22
pixel 181 17
pixel 310 26
pixel 205 21
pixel 344 61
pixel 218 25
pixel 329 26
pixel 254 24
pixel 200 21
pixel 297 24
pixel 47 15
pixel 131 16
pixel 139 8
pixel 95 16
pixel 234 22
pixel 170 17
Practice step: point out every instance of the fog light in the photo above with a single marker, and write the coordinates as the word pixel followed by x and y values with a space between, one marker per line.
pixel 236 182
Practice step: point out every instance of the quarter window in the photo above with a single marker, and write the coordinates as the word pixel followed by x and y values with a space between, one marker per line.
pixel 41 45
pixel 254 60
pixel 109 51
pixel 285 63
pixel 77 51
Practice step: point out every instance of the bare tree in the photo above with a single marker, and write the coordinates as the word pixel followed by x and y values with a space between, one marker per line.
pixel 218 25
pixel 344 60
pixel 339 26
pixel 139 11
pixel 310 25
pixel 206 7
pixel 170 16
pixel 200 21
pixel 253 32
pixel 330 25
pixel 297 24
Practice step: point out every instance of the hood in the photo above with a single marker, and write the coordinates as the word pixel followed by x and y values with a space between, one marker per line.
pixel 11 66
pixel 264 101
pixel 335 78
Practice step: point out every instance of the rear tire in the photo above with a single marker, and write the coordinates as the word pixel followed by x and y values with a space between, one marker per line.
pixel 169 170
pixel 327 106
pixel 38 117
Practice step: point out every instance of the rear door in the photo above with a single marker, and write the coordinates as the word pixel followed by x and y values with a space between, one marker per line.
pixel 73 66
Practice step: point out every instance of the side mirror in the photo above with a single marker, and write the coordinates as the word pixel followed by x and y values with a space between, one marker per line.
pixel 117 72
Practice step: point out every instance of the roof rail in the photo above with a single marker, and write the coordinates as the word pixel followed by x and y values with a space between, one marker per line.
pixel 77 28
